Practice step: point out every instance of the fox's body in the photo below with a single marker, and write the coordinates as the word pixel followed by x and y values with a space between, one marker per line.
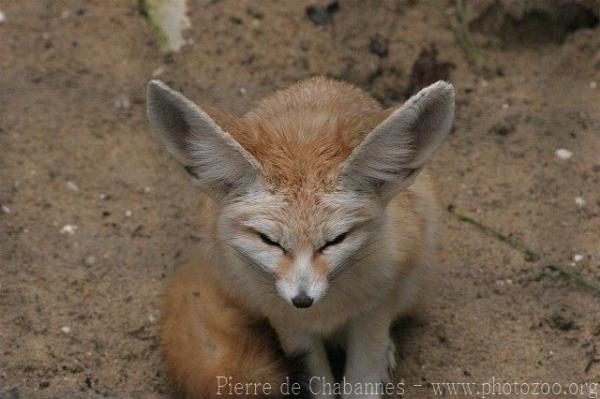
pixel 319 204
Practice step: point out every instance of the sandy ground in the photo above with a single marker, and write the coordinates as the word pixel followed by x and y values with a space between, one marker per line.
pixel 78 312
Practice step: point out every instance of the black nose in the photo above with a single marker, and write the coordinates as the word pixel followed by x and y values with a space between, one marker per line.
pixel 302 300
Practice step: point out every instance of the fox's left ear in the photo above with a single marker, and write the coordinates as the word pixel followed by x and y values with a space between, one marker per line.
pixel 391 155
pixel 216 162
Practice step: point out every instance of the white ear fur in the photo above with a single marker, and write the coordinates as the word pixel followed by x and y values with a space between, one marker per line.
pixel 218 163
pixel 391 155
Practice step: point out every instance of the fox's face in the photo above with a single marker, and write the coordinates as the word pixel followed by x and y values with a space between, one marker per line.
pixel 299 237
pixel 300 243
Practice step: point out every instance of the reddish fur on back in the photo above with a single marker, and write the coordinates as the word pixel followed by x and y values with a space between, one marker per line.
pixel 206 333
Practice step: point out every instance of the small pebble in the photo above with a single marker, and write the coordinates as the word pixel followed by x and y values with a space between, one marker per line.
pixel 379 45
pixel 242 91
pixel 68 229
pixel 65 14
pixel 483 82
pixel 147 189
pixel 128 214
pixel 580 202
pixel 122 102
pixel 2 18
pixel 72 186
pixel 5 209
pixel 104 197
pixel 158 71
pixel 89 260
pixel 577 257
pixel 593 84
pixel 505 106
pixel 151 319
pixel 563 154
pixel 65 329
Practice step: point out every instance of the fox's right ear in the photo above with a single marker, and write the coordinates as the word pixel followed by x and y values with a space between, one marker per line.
pixel 391 156
pixel 217 163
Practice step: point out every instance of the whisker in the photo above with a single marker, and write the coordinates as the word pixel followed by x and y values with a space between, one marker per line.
pixel 248 261
pixel 352 262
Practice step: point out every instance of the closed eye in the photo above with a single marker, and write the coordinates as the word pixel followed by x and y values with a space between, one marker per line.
pixel 335 241
pixel 267 240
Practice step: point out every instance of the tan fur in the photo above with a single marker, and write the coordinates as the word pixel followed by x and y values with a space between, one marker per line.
pixel 205 333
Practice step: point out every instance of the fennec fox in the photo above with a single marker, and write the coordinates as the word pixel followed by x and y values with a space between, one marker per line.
pixel 322 221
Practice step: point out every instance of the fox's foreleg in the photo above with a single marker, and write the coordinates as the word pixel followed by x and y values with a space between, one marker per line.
pixel 296 341
pixel 369 352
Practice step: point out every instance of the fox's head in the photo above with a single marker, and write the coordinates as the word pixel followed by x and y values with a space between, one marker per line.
pixel 303 181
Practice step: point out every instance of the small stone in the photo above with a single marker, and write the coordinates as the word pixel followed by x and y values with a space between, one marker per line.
pixel 507 125
pixel 580 202
pixel 122 102
pixel 151 319
pixel 2 18
pixel 147 189
pixel 68 229
pixel 379 46
pixel 65 14
pixel 505 106
pixel 128 213
pixel 5 209
pixel 89 260
pixel 242 91
pixel 577 257
pixel 72 186
pixel 158 71
pixel 562 322
pixel 483 82
pixel 322 15
pixel 593 84
pixel 563 154
pixel 65 329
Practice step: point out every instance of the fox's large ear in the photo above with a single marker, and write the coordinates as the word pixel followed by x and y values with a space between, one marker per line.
pixel 391 155
pixel 217 163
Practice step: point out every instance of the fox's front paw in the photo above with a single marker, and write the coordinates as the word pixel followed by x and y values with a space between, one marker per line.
pixel 390 355
pixel 386 375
